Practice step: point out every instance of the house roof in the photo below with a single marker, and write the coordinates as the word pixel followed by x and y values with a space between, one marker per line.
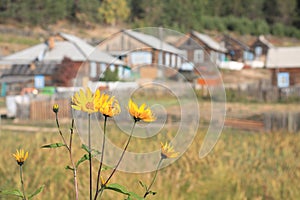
pixel 69 46
pixel 153 42
pixel 238 42
pixel 283 57
pixel 263 40
pixel 30 69
pixel 211 43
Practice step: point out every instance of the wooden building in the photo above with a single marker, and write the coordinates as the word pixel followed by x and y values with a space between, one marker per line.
pixel 145 54
pixel 200 48
pixel 236 49
pixel 260 48
pixel 284 62
pixel 54 63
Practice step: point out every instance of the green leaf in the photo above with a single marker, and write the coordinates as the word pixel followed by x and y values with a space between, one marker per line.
pixel 54 145
pixel 104 168
pixel 82 159
pixel 143 185
pixel 121 189
pixel 96 152
pixel 14 192
pixel 135 196
pixel 83 146
pixel 36 192
pixel 118 188
pixel 68 167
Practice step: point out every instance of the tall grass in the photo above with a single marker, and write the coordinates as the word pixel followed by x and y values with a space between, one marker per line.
pixel 242 165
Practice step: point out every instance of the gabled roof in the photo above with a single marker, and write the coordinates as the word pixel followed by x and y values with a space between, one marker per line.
pixel 68 46
pixel 153 42
pixel 263 40
pixel 238 42
pixel 283 57
pixel 211 43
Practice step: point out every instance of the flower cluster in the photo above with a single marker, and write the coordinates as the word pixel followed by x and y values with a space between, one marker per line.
pixel 88 102
pixel 108 106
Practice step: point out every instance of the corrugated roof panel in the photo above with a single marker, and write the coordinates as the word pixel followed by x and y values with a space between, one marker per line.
pixel 209 41
pixel 153 42
pixel 283 57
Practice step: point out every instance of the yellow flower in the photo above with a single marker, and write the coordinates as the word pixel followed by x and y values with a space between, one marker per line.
pixel 84 101
pixel 167 151
pixel 140 113
pixel 55 108
pixel 106 104
pixel 20 156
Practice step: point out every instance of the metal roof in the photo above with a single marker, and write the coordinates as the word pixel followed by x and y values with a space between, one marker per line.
pixel 72 47
pixel 29 70
pixel 283 57
pixel 209 41
pixel 153 42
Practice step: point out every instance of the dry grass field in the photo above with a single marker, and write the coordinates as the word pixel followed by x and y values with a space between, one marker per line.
pixel 243 165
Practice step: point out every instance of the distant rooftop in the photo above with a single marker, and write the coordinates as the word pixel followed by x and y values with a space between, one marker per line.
pixel 209 41
pixel 68 46
pixel 283 57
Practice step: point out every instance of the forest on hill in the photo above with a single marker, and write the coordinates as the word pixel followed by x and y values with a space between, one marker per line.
pixel 276 17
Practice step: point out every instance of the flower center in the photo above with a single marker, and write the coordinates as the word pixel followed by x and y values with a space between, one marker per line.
pixel 89 105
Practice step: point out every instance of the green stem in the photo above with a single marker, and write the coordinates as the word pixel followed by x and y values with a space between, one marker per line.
pixel 101 160
pixel 124 150
pixel 90 156
pixel 69 148
pixel 22 183
pixel 62 136
pixel 154 178
pixel 73 164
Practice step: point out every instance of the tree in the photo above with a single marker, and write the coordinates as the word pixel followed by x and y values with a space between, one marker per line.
pixel 114 11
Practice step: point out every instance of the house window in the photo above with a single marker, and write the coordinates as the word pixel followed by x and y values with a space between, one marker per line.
pixel 198 56
pixel 120 72
pixel 102 68
pixel 160 58
pixel 258 51
pixel 141 57
pixel 248 55
pixel 173 60
pixel 222 56
pixel 93 70
pixel 178 61
pixel 112 68
pixel 167 59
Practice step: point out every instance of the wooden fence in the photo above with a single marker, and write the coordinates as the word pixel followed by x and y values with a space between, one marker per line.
pixel 289 121
pixel 42 110
pixel 261 91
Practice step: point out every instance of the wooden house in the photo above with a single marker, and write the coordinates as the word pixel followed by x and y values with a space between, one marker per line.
pixel 237 50
pixel 284 62
pixel 200 48
pixel 145 54
pixel 54 63
pixel 260 48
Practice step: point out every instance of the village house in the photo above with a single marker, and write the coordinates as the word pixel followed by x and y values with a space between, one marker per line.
pixel 145 54
pixel 54 63
pixel 237 50
pixel 203 54
pixel 260 48
pixel 284 63
pixel 201 49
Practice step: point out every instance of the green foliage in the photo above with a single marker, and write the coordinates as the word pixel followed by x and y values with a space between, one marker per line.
pixel 245 17
pixel 114 11
pixel 110 75
pixel 54 145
